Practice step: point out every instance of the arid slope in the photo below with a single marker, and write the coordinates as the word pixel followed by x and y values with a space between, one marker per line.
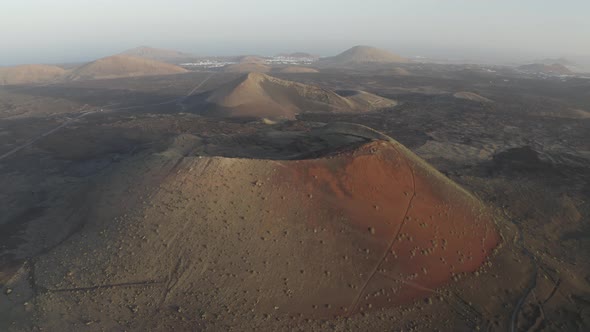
pixel 298 69
pixel 122 66
pixel 260 95
pixel 363 55
pixel 177 240
pixel 27 74
pixel 247 68
pixel 158 54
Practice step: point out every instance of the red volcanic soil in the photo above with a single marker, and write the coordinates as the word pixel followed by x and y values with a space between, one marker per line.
pixel 367 226
pixel 417 227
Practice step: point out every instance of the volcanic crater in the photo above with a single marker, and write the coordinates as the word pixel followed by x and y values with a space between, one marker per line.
pixel 361 224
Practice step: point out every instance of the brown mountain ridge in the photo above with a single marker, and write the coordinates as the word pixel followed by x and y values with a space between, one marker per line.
pixel 363 55
pixel 262 96
pixel 122 66
pixel 28 74
pixel 158 54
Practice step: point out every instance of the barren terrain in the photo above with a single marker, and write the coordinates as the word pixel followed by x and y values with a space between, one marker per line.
pixel 464 207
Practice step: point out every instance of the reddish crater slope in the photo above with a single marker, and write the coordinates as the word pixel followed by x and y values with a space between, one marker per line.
pixel 414 228
pixel 362 225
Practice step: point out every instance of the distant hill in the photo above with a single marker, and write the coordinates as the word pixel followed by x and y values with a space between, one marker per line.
pixel 122 66
pixel 298 69
pixel 299 55
pixel 159 54
pixel 363 55
pixel 251 59
pixel 248 64
pixel 247 67
pixel 561 61
pixel 262 96
pixel 27 74
pixel 553 69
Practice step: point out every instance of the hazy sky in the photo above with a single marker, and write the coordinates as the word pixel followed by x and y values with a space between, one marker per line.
pixel 73 30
